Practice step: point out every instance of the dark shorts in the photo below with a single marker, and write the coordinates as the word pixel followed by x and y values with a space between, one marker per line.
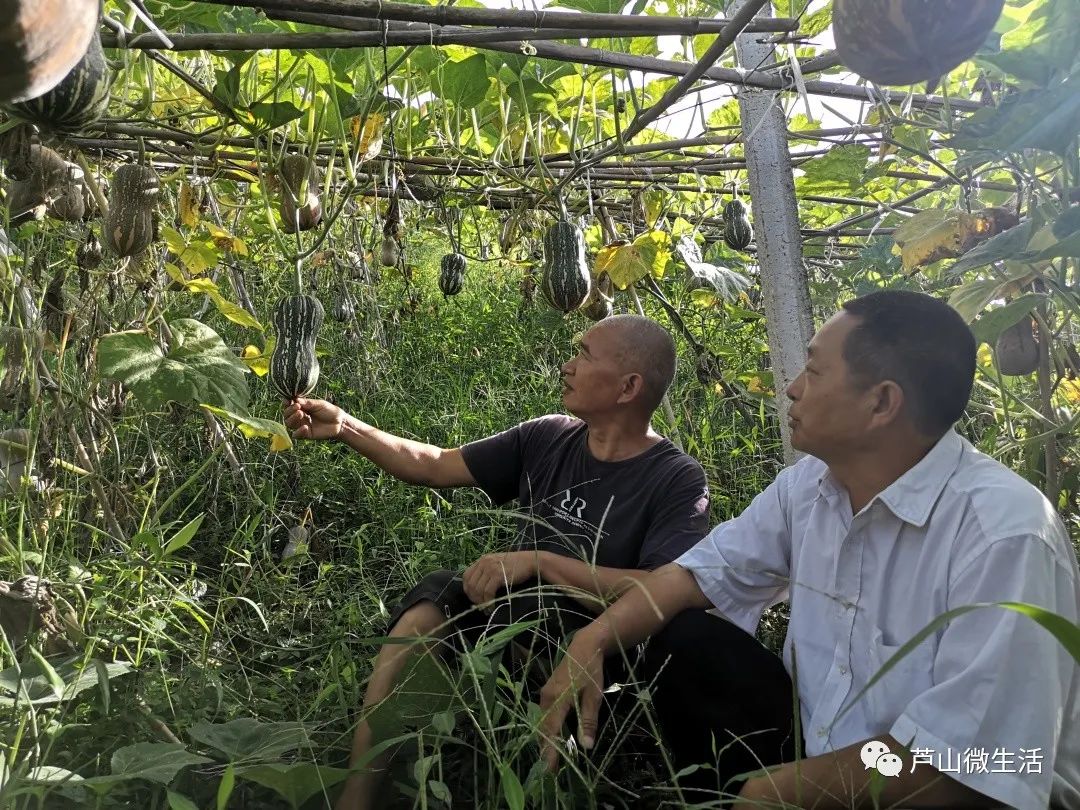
pixel 555 614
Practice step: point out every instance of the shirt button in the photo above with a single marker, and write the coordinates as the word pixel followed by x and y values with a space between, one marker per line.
pixel 823 732
pixel 843 669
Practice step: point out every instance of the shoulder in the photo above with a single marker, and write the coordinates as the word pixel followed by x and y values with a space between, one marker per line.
pixel 551 426
pixel 998 504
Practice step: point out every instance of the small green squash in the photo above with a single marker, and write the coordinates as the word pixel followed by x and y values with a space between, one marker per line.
pixel 78 101
pixel 452 274
pixel 566 281
pixel 294 367
pixel 128 229
pixel 738 231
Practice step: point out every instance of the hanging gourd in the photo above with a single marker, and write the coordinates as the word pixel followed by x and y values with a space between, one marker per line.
pixel 77 101
pixel 452 274
pixel 294 367
pixel 738 231
pixel 40 42
pixel 1016 351
pixel 600 302
pixel 301 207
pixel 908 41
pixel 566 281
pixel 128 229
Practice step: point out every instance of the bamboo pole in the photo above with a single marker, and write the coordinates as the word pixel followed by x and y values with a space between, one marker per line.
pixel 540 18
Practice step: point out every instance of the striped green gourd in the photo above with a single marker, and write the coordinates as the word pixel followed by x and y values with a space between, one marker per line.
pixel 77 101
pixel 40 42
pixel 738 232
pixel 128 229
pixel 294 368
pixel 566 281
pixel 452 273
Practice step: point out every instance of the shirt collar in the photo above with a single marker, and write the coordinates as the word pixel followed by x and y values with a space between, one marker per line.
pixel 912 496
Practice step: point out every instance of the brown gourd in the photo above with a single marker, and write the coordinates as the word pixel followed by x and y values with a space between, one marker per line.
pixel 128 229
pixel 40 42
pixel 301 207
pixel 902 42
pixel 1016 351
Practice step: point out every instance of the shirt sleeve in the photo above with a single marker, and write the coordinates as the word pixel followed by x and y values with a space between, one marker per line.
pixel 680 521
pixel 496 462
pixel 1001 680
pixel 744 564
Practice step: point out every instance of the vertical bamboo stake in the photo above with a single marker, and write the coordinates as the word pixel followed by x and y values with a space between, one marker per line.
pixel 784 287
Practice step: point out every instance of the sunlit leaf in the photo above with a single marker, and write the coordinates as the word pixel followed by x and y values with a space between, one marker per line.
pixel 253 427
pixel 627 263
pixel 198 367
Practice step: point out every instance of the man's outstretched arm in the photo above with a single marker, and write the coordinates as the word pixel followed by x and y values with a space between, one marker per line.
pixel 649 604
pixel 839 780
pixel 407 460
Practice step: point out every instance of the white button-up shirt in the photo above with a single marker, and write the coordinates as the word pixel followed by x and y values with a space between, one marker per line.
pixel 992 699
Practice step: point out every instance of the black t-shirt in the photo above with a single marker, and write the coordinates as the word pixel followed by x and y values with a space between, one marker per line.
pixel 639 513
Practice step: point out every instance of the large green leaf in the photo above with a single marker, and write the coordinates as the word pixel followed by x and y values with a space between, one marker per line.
pixel 1005 245
pixel 247 740
pixel 464 83
pixel 1044 44
pixel 995 321
pixel 1039 119
pixel 36 686
pixel 198 368
pixel 840 171
pixel 155 762
pixel 296 783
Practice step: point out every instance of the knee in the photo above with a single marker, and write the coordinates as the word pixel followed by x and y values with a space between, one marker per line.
pixel 422 619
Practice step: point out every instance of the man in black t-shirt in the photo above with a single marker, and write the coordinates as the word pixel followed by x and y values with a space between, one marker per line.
pixel 603 500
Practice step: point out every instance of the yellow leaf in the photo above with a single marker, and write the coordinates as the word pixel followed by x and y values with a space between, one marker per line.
pixel 234 313
pixel 932 235
pixel 279 443
pixel 369 135
pixel 1069 390
pixel 258 360
pixel 226 241
pixel 627 262
pixel 188 205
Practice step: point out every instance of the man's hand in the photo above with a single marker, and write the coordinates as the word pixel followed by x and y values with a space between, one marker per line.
pixel 484 578
pixel 578 682
pixel 314 419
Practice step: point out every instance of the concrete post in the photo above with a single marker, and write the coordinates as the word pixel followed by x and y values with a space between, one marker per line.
pixel 776 225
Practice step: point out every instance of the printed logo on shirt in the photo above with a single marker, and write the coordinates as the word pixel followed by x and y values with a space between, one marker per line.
pixel 570 504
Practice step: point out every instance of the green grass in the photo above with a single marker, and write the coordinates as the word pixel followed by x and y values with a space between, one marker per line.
pixel 224 629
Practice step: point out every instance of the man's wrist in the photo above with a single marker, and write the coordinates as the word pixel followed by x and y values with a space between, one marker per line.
pixel 349 427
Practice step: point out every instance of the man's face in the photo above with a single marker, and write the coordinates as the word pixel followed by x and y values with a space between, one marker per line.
pixel 593 379
pixel 829 414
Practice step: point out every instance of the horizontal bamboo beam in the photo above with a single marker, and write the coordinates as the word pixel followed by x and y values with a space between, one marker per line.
pixel 539 18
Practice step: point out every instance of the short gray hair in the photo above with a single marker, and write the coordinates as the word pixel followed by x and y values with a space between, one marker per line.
pixel 646 348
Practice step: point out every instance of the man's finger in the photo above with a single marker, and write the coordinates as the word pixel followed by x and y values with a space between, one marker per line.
pixel 588 714
pixel 550 730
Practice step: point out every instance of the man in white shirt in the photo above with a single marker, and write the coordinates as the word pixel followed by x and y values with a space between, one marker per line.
pixel 890 521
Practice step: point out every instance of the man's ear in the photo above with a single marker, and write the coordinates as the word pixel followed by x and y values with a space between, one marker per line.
pixel 888 403
pixel 632 388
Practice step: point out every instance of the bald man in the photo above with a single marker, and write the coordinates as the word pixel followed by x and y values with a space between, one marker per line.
pixel 603 500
